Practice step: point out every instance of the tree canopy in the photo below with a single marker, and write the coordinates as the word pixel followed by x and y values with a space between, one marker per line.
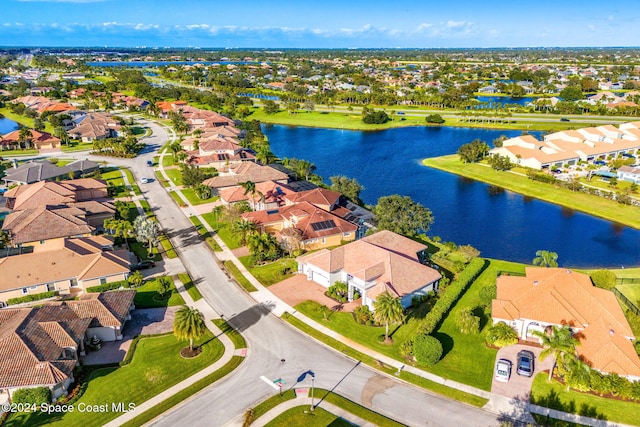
pixel 474 151
pixel 349 187
pixel 402 215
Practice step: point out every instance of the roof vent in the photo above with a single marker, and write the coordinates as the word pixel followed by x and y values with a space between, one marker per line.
pixel 568 271
pixel 535 283
pixel 611 331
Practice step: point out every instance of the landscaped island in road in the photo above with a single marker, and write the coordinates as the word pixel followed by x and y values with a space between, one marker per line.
pixel 519 183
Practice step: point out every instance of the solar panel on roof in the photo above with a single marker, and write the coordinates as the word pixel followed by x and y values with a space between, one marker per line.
pixel 323 225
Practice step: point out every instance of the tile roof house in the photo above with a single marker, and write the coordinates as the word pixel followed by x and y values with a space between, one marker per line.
pixel 42 170
pixel 629 173
pixel 269 195
pixel 94 126
pixel 47 193
pixel 216 151
pixel 555 296
pixel 38 140
pixel 30 226
pixel 64 266
pixel 40 347
pixel 303 225
pixel 381 262
pixel 244 172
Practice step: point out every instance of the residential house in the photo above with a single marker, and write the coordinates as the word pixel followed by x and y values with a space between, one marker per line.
pixel 38 140
pixel 36 226
pixel 40 347
pixel 381 262
pixel 95 126
pixel 268 195
pixel 66 266
pixel 42 170
pixel 629 173
pixel 303 226
pixel 547 297
pixel 215 151
pixel 244 172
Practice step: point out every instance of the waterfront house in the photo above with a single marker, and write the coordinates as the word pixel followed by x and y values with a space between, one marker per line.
pixel 547 297
pixel 381 262
pixel 629 173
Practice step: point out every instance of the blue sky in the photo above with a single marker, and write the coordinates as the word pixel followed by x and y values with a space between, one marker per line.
pixel 320 23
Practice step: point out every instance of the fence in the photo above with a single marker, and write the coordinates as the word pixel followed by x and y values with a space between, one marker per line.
pixel 630 305
pixel 628 281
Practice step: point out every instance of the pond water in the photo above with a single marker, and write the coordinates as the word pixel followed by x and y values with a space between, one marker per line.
pixel 504 100
pixel 7 125
pixel 501 224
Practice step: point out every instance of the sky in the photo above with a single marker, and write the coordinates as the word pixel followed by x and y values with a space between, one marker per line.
pixel 319 23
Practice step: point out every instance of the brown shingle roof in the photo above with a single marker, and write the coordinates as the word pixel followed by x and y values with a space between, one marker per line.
pixel 243 172
pixel 44 223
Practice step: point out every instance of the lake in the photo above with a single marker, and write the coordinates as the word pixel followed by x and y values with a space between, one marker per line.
pixel 145 64
pixel 504 100
pixel 7 126
pixel 501 224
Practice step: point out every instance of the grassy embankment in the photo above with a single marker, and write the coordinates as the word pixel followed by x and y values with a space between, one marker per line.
pixel 590 204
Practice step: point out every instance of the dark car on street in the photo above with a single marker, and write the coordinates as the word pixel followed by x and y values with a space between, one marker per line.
pixel 142 265
pixel 525 363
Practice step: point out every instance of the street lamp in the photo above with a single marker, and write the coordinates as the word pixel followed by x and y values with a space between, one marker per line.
pixel 313 377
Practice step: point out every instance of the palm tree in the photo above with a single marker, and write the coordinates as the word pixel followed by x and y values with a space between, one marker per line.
pixel 243 229
pixel 24 137
pixel 250 188
pixel 217 211
pixel 388 310
pixel 546 259
pixel 189 324
pixel 62 135
pixel 175 148
pixel 560 343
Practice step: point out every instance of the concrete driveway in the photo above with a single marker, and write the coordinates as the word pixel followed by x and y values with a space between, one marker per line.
pixel 519 387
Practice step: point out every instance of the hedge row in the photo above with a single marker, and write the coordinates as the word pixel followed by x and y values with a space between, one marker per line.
pixel 32 396
pixel 450 296
pixel 29 298
pixel 109 286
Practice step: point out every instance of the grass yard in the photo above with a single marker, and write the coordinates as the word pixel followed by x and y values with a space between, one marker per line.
pixel 114 179
pixel 147 296
pixel 554 395
pixel 176 198
pixel 156 366
pixel 189 286
pixel 167 161
pixel 141 250
pixel 631 291
pixel 301 416
pixel 204 233
pixel 76 146
pixel 273 272
pixel 193 198
pixel 593 205
pixel 235 336
pixel 235 272
pixel 175 175
pixel 24 120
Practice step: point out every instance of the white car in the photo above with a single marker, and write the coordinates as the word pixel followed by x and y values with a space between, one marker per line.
pixel 144 180
pixel 503 370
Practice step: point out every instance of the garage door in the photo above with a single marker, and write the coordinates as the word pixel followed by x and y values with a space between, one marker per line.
pixel 320 279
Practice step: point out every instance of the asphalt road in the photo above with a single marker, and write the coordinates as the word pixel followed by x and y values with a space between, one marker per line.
pixel 270 340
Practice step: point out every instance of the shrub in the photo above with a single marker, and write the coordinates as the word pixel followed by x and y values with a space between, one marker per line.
pixel 375 117
pixel 136 279
pixel 338 291
pixel 30 298
pixel 32 396
pixel 453 292
pixel 362 314
pixel 501 335
pixel 109 286
pixel 406 348
pixel 427 350
pixel 435 119
pixel 467 322
pixel 604 279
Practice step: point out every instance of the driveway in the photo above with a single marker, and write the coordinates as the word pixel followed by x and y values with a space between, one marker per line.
pixel 518 386
pixel 145 321
pixel 298 288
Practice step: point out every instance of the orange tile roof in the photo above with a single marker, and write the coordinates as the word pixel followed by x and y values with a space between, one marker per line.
pixel 559 296
pixel 44 223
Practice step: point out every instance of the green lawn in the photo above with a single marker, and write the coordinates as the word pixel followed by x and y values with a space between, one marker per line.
pixel 156 366
pixel 631 291
pixel 204 233
pixel 76 146
pixel 168 161
pixel 174 195
pixel 235 336
pixel 140 249
pixel 555 395
pixel 235 272
pixel 301 416
pixel 189 286
pixel 193 198
pixel 147 296
pixel 224 232
pixel 592 205
pixel 114 179
pixel 272 272
pixel 175 175
pixel 24 120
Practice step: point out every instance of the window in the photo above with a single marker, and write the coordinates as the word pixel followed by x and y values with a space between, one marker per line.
pixel 346 234
pixel 51 287
pixel 324 240
pixel 103 280
pixel 25 291
pixel 33 288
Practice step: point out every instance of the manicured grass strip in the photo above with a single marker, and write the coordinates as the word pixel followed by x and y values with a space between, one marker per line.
pixel 185 393
pixel 419 381
pixel 236 337
pixel 204 233
pixel 175 175
pixel 270 403
pixel 190 286
pixel 355 409
pixel 302 416
pixel 176 198
pixel 73 147
pixel 554 395
pixel 235 272
pixel 167 160
pixel 155 367
pixel 552 422
pixel 146 207
pixel 590 204
pixel 169 251
pixel 147 296
pixel 161 179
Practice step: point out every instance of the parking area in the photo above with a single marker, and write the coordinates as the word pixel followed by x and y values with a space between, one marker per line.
pixel 519 386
